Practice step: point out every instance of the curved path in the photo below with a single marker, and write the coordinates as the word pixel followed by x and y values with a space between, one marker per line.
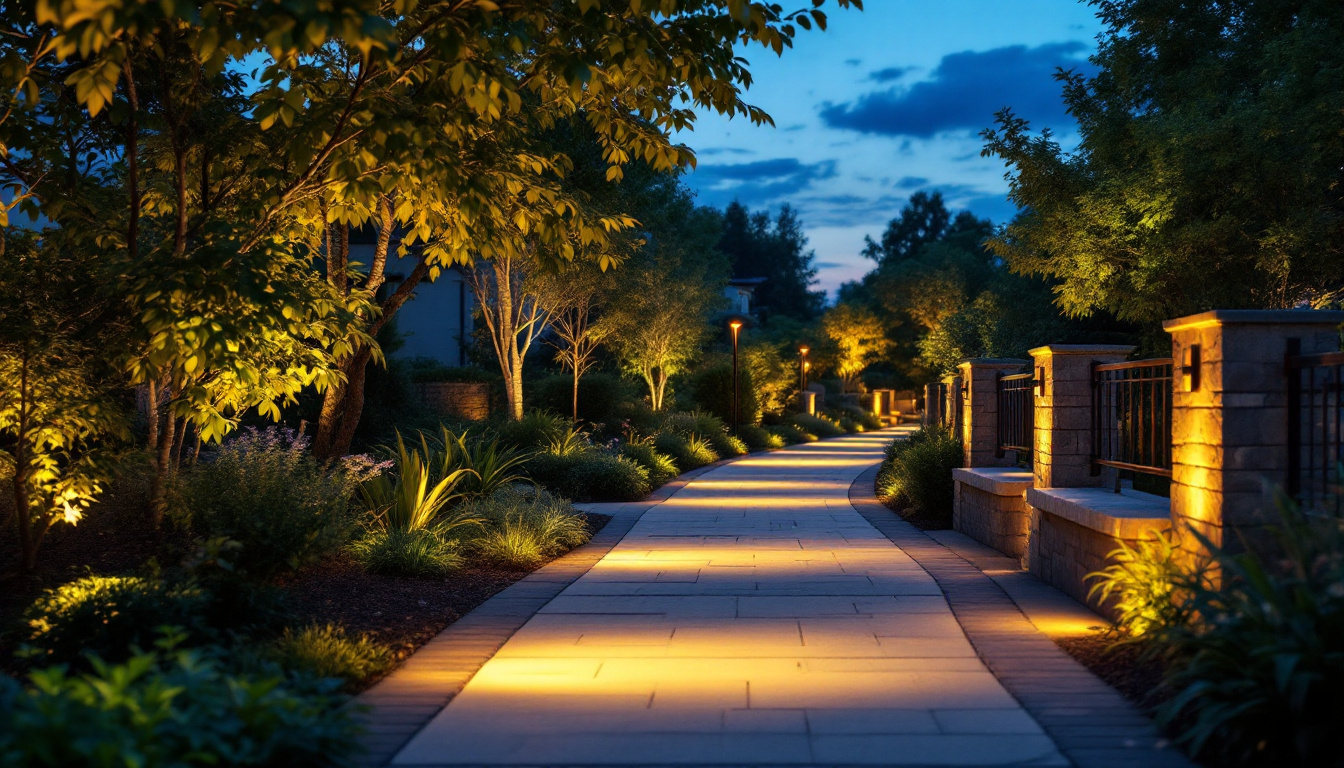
pixel 754 617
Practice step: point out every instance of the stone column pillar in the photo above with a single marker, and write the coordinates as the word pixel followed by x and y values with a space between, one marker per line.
pixel 952 402
pixel 1062 443
pixel 1229 414
pixel 932 404
pixel 980 410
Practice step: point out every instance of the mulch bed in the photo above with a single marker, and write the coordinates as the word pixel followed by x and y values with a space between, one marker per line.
pixel 1121 666
pixel 400 613
pixel 921 520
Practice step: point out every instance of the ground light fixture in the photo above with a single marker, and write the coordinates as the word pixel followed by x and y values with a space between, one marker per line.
pixel 735 325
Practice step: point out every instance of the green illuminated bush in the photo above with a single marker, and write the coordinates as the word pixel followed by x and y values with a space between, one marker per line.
pixel 329 652
pixel 107 615
pixel 264 490
pixel 660 466
pixel 1141 584
pixel 688 452
pixel 172 709
pixel 419 553
pixel 533 431
pixel 759 438
pixel 820 426
pixel 1255 677
pixel 918 472
pixel 522 530
pixel 791 434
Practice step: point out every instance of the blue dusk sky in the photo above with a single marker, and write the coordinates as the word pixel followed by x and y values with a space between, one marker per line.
pixel 885 103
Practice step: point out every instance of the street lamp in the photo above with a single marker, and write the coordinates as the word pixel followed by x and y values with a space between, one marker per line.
pixel 803 365
pixel 736 325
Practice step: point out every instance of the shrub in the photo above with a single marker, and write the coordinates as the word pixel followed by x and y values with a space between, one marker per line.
pixel 532 432
pixel 421 485
pixel 820 426
pixel 600 395
pixel 688 453
pixel 1141 582
pixel 1256 676
pixel 598 476
pixel 712 388
pixel 692 423
pixel 417 553
pixel 792 434
pixel 920 472
pixel 490 465
pixel 759 438
pixel 660 466
pixel 328 652
pixel 264 490
pixel 107 615
pixel 590 475
pixel 523 530
pixel 171 709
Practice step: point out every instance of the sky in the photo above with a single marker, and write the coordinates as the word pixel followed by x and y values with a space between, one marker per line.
pixel 887 102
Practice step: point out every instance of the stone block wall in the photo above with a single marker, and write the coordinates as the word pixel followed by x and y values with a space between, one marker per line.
pixel 1062 442
pixel 1061 553
pixel 998 521
pixel 465 399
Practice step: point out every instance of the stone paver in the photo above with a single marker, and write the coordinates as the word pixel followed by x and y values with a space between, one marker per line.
pixel 753 617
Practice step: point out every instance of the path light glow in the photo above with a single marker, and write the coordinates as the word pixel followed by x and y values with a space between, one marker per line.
pixel 753 617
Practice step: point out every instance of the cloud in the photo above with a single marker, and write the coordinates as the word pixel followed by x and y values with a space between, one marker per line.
pixel 889 74
pixel 757 183
pixel 965 90
pixel 911 182
pixel 723 151
pixel 829 264
pixel 853 62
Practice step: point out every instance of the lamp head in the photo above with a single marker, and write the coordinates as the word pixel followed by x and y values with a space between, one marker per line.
pixel 804 350
pixel 735 324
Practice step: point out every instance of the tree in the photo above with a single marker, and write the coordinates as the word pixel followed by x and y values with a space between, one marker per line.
pixel 661 298
pixel 139 135
pixel 575 295
pixel 1207 173
pixel 856 339
pixel 777 251
pixel 59 418
pixel 923 220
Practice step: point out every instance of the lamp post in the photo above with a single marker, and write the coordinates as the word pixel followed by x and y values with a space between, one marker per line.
pixel 736 325
pixel 803 365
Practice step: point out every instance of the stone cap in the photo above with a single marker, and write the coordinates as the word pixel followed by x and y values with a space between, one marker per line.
pixel 992 362
pixel 1126 515
pixel 1216 317
pixel 1082 349
pixel 1000 481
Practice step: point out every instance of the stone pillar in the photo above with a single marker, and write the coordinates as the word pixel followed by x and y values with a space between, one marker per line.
pixel 807 402
pixel 951 408
pixel 1230 416
pixel 980 410
pixel 1062 442
pixel 932 405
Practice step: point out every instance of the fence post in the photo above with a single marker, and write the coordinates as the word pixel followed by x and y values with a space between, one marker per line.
pixel 1062 443
pixel 980 416
pixel 1230 423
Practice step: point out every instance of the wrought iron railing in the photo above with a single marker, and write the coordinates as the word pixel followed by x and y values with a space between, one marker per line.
pixel 1017 420
pixel 1315 416
pixel 1131 416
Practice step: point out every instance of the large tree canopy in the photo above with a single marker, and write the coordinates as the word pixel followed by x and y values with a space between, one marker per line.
pixel 1210 171
pixel 775 249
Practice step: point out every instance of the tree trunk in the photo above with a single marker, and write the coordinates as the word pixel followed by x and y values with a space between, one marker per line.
pixel 22 515
pixel 576 395
pixel 163 463
pixel 352 404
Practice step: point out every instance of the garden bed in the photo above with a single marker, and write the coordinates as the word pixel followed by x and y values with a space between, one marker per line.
pixel 1122 667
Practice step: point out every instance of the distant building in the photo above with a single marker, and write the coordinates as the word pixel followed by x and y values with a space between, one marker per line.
pixel 436 322
pixel 740 291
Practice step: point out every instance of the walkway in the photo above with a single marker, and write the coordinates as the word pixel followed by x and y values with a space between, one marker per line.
pixel 753 618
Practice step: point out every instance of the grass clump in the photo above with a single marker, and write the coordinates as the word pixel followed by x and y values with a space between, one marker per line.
pixel 420 553
pixel 522 530
pixel 820 426
pixel 792 434
pixel 327 651
pixel 688 452
pixel 759 438
pixel 659 466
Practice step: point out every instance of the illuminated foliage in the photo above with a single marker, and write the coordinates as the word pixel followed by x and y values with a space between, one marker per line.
pixel 856 339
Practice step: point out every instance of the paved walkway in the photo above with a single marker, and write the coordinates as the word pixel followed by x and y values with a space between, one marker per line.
pixel 753 618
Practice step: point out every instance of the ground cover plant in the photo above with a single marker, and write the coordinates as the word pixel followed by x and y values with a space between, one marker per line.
pixel 1252 651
